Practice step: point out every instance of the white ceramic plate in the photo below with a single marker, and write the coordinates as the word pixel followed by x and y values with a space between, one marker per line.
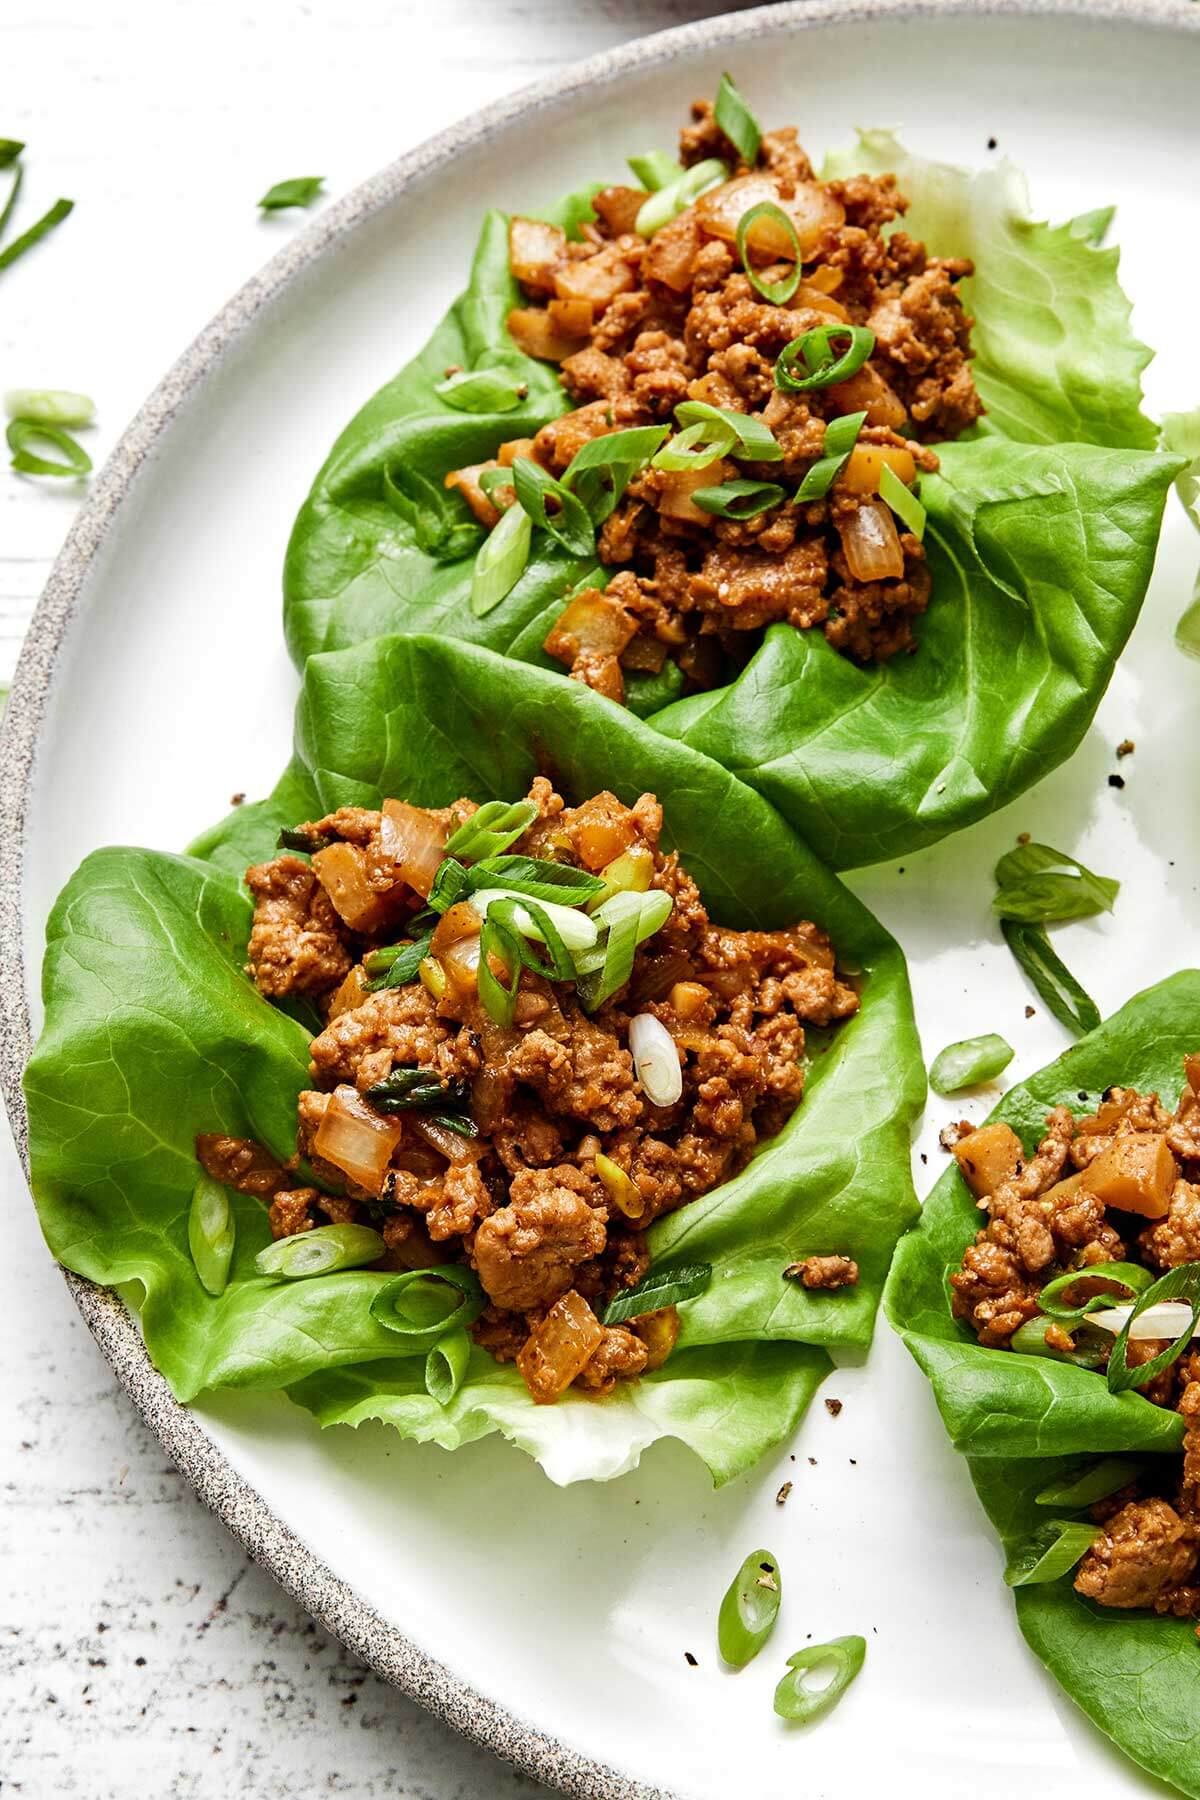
pixel 156 685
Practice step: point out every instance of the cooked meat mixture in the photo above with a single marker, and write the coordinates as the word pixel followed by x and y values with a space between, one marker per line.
pixel 1121 1185
pixel 642 326
pixel 532 1134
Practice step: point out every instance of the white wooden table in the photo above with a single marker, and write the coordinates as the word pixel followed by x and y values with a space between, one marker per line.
pixel 139 1650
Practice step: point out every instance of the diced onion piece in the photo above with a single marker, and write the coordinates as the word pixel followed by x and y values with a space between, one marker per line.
pixel 675 493
pixel 597 279
pixel 573 318
pixel 534 250
pixel 1135 1174
pixel 466 481
pixel 867 391
pixel 688 998
pixel 508 453
pixel 604 829
pixel 618 207
pixel 455 946
pixel 866 462
pixel 811 209
pixel 655 1060
pixel 872 543
pixel 593 622
pixel 988 1156
pixel 533 330
pixel 415 842
pixel 818 301
pixel 824 279
pixel 576 930
pixel 352 993
pixel 629 873
pixel 658 1330
pixel 453 1145
pixel 342 871
pixel 556 1350
pixel 1166 1319
pixel 619 1188
pixel 1191 1069
pixel 671 258
pixel 356 1139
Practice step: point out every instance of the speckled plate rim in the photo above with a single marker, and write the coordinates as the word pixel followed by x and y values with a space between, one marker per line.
pixel 330 1600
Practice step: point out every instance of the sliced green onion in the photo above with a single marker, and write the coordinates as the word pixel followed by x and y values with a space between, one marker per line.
pixel 450 883
pixel 482 391
pixel 749 1609
pixel 575 929
pixel 739 499
pixel 320 1252
pixel 10 149
pixel 439 530
pixel 211 1233
pixel 777 292
pixel 491 829
pixel 756 442
pixel 629 918
pixel 602 469
pixel 841 435
pixel 679 453
pixel 423 1304
pixel 1096 1482
pixel 513 913
pixel 23 432
pixel 499 997
pixel 1090 1352
pixel 735 119
pixel 1131 1276
pixel 961 1065
pixel 501 560
pixel 46 224
pixel 802 1704
pixel 14 189
pixel 1093 226
pixel 668 202
pixel 297 837
pixel 492 480
pixel 1050 976
pixel 446 1364
pixel 301 190
pixel 1054 1549
pixel 49 406
pixel 661 1287
pixel 571 524
pixel 397 965
pixel 824 365
pixel 1040 886
pixel 628 873
pixel 409 1089
pixel 1180 1283
pixel 903 502
pixel 541 880
pixel 655 169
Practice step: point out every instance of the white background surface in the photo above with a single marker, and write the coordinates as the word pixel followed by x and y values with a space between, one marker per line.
pixel 139 1651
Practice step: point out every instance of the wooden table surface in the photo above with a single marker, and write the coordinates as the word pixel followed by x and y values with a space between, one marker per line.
pixel 140 1652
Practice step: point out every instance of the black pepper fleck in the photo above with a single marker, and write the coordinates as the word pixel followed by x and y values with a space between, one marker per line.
pixel 1117 781
pixel 690 1660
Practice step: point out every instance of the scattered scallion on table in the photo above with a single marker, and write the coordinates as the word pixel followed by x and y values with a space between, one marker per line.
pixel 971 1060
pixel 46 224
pixel 24 435
pixel 300 190
pixel 802 1704
pixel 749 1609
pixel 1037 885
pixel 1050 977
pixel 50 406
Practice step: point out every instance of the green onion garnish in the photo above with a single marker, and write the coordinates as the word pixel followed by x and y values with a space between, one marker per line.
pixel 10 149
pixel 491 829
pixel 482 391
pixel 749 1609
pixel 529 920
pixel 1094 1482
pixel 602 469
pixel 14 189
pixel 655 169
pixel 501 560
pixel 695 447
pixel 902 500
pixel 778 292
pixel 423 1304
pixel 395 966
pixel 561 882
pixel 1040 886
pixel 492 480
pixel 301 190
pixel 841 435
pixel 1131 1276
pixel 1090 1351
pixel 446 1365
pixel 661 1287
pixel 23 432
pixel 321 1252
pixel 1180 1283
pixel 629 918
pixel 499 997
pixel 1054 1549
pixel 421 1090
pixel 1050 976
pixel 668 202
pixel 211 1233
pixel 571 525
pixel 802 1704
pixel 824 365
pixel 971 1060
pixel 437 524
pixel 739 124
pixel 755 442
pixel 49 406
pixel 46 224
pixel 739 499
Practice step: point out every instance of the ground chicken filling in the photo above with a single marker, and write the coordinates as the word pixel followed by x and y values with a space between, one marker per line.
pixel 641 326
pixel 568 1159
pixel 1121 1185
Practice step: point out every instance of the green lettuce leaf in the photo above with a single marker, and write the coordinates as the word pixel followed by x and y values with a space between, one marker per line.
pixel 1042 537
pixel 1055 358
pixel 1025 1420
pixel 154 1033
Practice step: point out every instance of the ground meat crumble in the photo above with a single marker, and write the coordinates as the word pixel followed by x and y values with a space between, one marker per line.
pixel 551 1232
pixel 1119 1185
pixel 641 325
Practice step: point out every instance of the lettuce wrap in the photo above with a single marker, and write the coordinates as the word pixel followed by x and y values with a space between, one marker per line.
pixel 1042 528
pixel 154 1032
pixel 1023 1421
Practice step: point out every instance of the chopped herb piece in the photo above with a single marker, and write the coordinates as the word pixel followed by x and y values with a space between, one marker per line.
pixel 971 1060
pixel 695 447
pixel 498 939
pixel 491 829
pixel 560 882
pixel 1038 885
pixel 1088 1348
pixel 301 190
pixel 10 149
pixel 570 524
pixel 749 1609
pixel 661 1287
pixel 841 435
pixel 754 441
pixel 1131 1276
pixel 739 124
pixel 796 1701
